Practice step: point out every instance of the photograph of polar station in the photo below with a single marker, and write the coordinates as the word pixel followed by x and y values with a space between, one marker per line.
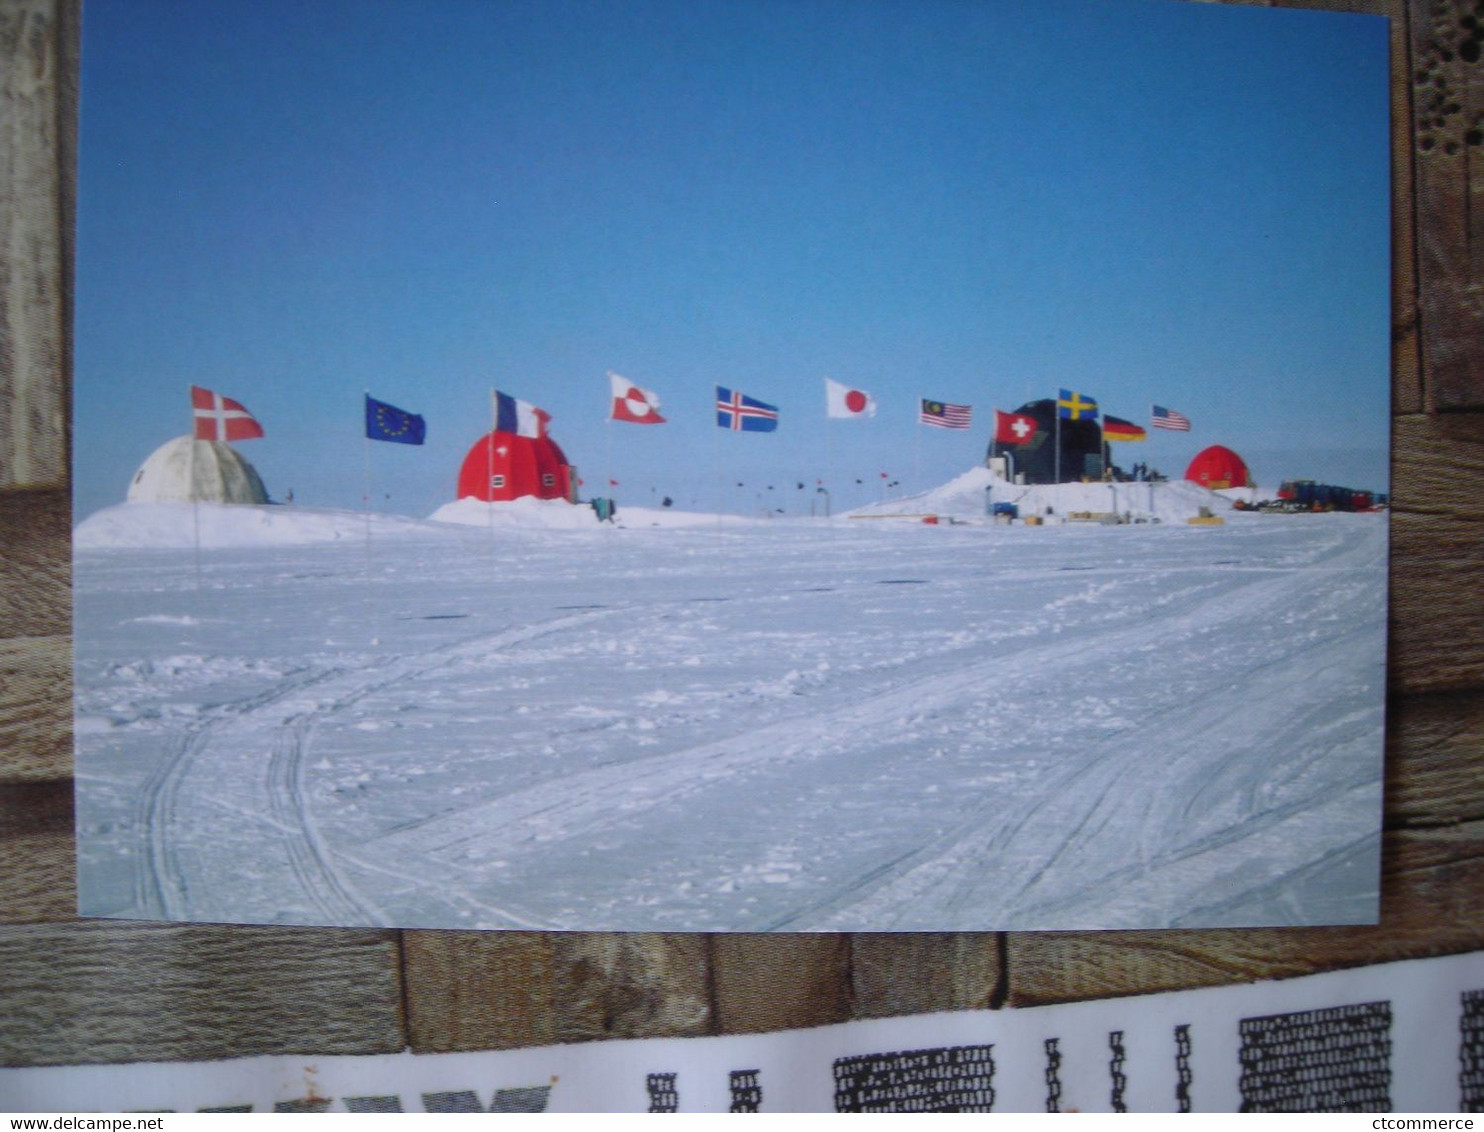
pixel 732 466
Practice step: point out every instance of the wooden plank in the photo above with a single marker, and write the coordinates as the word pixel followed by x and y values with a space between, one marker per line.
pixel 35 563
pixel 780 982
pixel 1435 747
pixel 1406 338
pixel 106 992
pixel 1436 618
pixel 1448 101
pixel 1438 465
pixel 39 879
pixel 631 985
pixel 1432 905
pixel 35 709
pixel 478 990
pixel 895 973
pixel 38 129
pixel 1437 553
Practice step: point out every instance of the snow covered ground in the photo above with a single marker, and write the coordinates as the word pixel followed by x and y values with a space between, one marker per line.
pixel 533 720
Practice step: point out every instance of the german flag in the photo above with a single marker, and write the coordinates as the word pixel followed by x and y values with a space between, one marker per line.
pixel 1116 428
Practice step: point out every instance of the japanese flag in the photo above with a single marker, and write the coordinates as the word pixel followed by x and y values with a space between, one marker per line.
pixel 632 404
pixel 842 401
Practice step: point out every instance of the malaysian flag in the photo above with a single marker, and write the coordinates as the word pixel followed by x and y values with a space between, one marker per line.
pixel 1168 418
pixel 940 414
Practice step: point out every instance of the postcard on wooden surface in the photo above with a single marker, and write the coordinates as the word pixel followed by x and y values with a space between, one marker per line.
pixel 732 467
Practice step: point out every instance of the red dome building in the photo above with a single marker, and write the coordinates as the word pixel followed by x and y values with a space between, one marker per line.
pixel 1218 467
pixel 503 466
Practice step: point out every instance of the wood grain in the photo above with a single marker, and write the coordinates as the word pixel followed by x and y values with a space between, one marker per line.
pixel 1406 335
pixel 35 709
pixel 107 992
pixel 479 990
pixel 643 984
pixel 1448 101
pixel 39 880
pixel 38 101
pixel 1435 760
pixel 917 973
pixel 35 563
pixel 1437 553
pixel 780 982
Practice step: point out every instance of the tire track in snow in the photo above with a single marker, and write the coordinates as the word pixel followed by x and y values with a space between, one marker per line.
pixel 160 882
pixel 577 804
pixel 1076 807
pixel 313 864
pixel 288 716
pixel 159 888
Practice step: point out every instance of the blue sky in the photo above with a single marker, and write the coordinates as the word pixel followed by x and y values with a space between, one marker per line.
pixel 978 201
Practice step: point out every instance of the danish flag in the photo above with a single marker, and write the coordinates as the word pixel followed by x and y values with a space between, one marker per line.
pixel 221 418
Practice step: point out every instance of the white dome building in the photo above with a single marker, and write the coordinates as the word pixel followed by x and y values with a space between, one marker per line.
pixel 186 470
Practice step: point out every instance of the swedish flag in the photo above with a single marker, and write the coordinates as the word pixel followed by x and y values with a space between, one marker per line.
pixel 1072 406
pixel 387 422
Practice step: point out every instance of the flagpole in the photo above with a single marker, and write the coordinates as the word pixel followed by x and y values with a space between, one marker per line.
pixel 1056 407
pixel 716 451
pixel 195 500
pixel 488 474
pixel 366 513
pixel 829 450
pixel 917 449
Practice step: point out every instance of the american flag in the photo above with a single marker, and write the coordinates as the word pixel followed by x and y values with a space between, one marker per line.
pixel 1168 418
pixel 943 415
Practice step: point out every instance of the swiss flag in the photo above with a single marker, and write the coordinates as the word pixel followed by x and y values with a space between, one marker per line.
pixel 221 418
pixel 632 404
pixel 1013 428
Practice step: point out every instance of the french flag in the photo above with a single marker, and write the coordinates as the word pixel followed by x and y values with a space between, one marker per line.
pixel 519 417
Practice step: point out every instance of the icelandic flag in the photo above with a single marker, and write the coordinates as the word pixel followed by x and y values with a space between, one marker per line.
pixel 387 422
pixel 519 417
pixel 744 414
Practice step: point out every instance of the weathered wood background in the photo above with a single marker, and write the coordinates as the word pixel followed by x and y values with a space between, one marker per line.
pixel 73 991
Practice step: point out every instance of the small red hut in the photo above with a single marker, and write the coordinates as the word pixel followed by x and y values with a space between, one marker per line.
pixel 1218 467
pixel 502 466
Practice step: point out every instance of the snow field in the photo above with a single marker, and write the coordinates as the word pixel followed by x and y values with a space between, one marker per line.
pixel 756 726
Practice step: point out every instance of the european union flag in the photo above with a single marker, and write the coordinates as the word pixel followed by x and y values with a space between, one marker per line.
pixel 387 422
